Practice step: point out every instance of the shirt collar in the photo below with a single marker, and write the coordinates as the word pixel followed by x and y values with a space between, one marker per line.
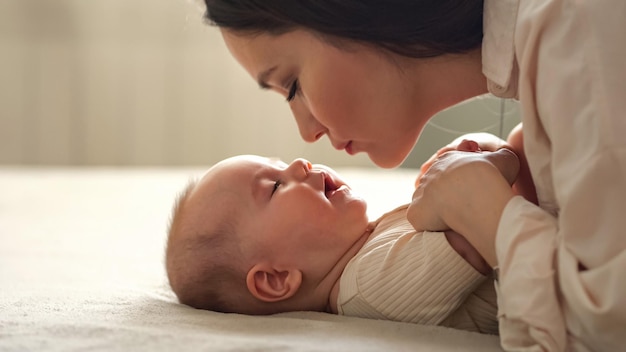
pixel 498 51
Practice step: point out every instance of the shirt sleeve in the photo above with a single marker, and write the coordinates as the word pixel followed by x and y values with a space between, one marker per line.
pixel 528 308
pixel 565 267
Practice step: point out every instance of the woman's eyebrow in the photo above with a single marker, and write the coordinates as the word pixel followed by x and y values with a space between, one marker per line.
pixel 263 76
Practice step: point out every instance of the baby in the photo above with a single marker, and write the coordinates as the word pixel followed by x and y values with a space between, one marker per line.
pixel 258 236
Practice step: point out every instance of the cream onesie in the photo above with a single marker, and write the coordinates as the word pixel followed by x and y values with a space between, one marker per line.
pixel 414 276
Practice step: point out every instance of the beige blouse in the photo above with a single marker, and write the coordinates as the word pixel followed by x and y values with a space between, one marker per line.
pixel 562 281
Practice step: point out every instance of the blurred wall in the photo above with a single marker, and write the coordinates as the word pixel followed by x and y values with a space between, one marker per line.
pixel 147 82
pixel 482 114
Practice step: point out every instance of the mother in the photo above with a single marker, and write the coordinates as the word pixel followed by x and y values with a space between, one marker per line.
pixel 370 74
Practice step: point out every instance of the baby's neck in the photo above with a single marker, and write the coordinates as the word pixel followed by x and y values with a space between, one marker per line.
pixel 341 265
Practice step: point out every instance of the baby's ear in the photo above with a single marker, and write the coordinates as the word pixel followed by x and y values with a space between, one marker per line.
pixel 271 285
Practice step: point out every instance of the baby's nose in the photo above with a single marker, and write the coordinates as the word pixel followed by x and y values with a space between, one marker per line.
pixel 300 167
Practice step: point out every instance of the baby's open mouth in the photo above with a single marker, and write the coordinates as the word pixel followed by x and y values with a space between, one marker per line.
pixel 329 186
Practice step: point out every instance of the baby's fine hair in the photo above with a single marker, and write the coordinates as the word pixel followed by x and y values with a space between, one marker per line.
pixel 202 268
pixel 413 28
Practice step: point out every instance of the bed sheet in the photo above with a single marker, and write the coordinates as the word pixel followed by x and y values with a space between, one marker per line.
pixel 81 268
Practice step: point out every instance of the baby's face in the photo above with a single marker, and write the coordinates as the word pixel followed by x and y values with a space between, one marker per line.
pixel 299 214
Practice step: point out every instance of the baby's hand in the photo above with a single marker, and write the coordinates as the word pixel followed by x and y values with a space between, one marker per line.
pixel 464 145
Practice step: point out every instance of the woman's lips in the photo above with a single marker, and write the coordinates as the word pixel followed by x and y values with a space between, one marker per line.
pixel 348 148
pixel 344 146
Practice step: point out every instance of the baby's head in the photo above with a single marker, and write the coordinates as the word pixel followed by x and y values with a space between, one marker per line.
pixel 258 236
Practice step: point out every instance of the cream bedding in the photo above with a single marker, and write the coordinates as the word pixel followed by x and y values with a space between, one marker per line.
pixel 81 268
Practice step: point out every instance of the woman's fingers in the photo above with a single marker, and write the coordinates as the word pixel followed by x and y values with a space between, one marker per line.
pixel 465 192
pixel 428 163
pixel 452 185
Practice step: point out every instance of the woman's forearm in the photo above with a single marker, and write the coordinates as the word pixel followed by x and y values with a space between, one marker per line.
pixel 468 252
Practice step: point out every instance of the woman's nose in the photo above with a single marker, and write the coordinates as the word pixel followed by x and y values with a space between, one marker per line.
pixel 310 129
pixel 311 135
pixel 299 168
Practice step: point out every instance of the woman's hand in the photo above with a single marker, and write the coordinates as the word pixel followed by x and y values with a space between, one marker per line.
pixel 466 192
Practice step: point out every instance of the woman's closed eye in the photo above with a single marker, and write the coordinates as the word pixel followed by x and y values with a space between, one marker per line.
pixel 293 90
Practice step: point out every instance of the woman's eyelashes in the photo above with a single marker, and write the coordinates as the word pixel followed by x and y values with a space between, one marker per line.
pixel 276 185
pixel 293 90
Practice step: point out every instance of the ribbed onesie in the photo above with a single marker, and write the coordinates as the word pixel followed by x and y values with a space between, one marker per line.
pixel 414 276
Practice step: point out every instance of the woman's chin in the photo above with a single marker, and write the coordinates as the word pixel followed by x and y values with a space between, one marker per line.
pixel 386 161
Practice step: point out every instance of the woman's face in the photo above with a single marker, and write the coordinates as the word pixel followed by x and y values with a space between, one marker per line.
pixel 362 99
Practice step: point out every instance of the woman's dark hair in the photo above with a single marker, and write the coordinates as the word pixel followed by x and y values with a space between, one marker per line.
pixel 414 28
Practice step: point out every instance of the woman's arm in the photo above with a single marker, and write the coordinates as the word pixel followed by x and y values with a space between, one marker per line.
pixel 479 142
pixel 467 252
